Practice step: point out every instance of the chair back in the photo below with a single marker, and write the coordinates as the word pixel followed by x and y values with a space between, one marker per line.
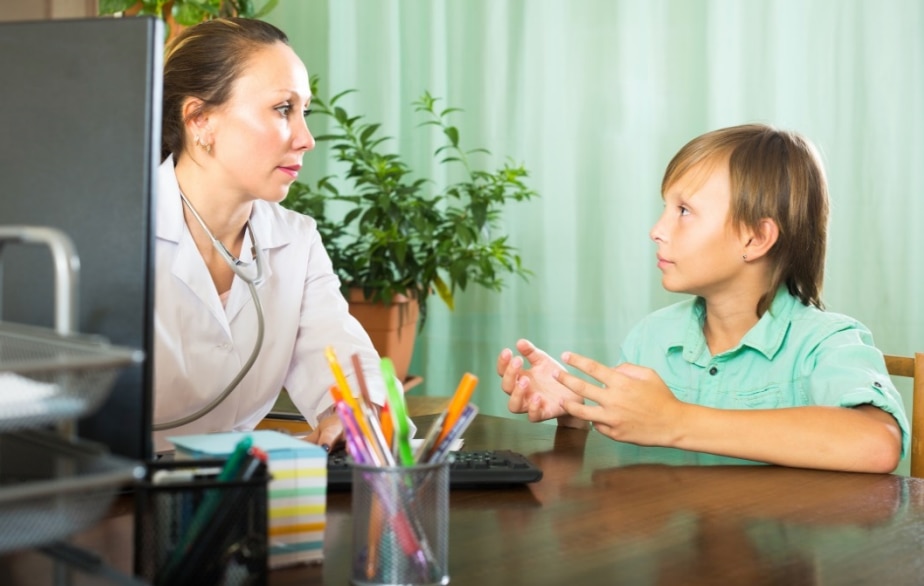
pixel 913 368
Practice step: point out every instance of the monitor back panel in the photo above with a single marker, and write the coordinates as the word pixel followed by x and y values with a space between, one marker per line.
pixel 79 147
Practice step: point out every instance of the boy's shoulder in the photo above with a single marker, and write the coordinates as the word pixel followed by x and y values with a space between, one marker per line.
pixel 809 316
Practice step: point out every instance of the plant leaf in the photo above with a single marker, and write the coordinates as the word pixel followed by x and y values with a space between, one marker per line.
pixel 444 292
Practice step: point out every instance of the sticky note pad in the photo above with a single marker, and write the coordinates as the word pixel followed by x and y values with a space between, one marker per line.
pixel 297 489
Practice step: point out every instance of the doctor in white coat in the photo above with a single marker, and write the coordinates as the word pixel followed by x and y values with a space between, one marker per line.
pixel 234 133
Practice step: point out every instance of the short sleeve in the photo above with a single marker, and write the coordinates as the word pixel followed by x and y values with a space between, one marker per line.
pixel 850 371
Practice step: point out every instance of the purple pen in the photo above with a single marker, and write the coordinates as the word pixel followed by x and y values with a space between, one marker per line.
pixel 356 445
pixel 441 451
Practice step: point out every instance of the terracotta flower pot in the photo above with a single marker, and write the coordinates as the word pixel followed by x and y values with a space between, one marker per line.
pixel 393 328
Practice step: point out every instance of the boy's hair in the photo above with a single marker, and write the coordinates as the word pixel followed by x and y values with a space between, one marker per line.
pixel 774 174
pixel 203 62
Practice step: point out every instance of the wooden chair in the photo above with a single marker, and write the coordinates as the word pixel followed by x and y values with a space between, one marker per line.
pixel 913 367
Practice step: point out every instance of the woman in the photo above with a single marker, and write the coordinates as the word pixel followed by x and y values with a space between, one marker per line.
pixel 235 97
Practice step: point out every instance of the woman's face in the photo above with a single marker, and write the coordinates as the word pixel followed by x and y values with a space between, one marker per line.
pixel 259 135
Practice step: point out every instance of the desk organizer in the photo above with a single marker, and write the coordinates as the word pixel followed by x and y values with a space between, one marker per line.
pixel 51 484
pixel 229 549
pixel 297 491
pixel 51 488
pixel 46 377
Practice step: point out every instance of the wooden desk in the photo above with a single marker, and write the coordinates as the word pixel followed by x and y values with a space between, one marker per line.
pixel 610 513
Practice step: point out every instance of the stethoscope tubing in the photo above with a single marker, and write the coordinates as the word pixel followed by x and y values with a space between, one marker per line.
pixel 241 269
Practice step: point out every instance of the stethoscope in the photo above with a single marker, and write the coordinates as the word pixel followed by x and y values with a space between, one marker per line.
pixel 252 274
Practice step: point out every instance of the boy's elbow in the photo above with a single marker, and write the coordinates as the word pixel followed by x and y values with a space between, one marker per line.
pixel 884 450
pixel 886 460
pixel 881 448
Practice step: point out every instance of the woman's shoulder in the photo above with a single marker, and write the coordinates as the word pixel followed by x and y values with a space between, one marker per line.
pixel 278 226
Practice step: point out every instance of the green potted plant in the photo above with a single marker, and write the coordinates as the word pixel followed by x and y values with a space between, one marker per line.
pixel 393 237
pixel 178 14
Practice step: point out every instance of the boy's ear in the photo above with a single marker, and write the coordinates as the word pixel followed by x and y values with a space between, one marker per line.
pixel 760 241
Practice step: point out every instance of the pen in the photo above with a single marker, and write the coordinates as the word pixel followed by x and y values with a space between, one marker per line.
pixel 367 407
pixel 441 451
pixel 256 456
pixel 356 446
pixel 336 394
pixel 361 380
pixel 423 452
pixel 204 515
pixel 350 400
pixel 387 426
pixel 398 414
pixel 458 402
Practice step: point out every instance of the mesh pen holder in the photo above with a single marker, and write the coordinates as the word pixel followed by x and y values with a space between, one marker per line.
pixel 229 548
pixel 400 525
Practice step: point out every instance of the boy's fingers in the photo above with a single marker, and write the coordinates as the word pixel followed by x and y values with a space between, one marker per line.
pixel 588 366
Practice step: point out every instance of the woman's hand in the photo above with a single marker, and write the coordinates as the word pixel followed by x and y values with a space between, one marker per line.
pixel 535 391
pixel 329 431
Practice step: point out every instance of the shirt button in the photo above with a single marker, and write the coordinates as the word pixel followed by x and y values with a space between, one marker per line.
pixel 713 371
pixel 877 385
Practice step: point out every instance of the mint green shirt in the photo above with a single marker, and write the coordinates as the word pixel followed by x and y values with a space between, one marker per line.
pixel 796 355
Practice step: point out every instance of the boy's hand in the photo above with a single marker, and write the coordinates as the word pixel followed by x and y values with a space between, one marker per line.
pixel 536 390
pixel 634 404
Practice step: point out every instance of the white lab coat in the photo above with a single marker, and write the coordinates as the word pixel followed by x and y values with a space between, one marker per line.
pixel 200 346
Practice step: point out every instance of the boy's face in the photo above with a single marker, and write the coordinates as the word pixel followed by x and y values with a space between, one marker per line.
pixel 698 250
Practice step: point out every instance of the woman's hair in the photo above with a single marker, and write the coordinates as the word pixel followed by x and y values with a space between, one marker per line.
pixel 774 174
pixel 203 62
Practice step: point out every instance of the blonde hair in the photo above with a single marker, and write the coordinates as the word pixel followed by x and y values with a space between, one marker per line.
pixel 203 62
pixel 774 174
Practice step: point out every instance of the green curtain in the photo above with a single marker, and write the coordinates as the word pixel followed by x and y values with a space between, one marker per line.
pixel 594 97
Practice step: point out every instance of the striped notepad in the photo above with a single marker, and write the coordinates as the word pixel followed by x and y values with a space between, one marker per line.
pixel 297 489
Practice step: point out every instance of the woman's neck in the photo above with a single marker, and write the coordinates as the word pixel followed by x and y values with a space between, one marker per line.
pixel 223 212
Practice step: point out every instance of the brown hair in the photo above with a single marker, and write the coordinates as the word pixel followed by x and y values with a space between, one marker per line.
pixel 774 174
pixel 203 62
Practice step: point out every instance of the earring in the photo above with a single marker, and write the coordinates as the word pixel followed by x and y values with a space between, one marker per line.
pixel 206 147
pixel 744 257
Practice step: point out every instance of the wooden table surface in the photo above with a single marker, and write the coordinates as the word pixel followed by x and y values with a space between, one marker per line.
pixel 610 513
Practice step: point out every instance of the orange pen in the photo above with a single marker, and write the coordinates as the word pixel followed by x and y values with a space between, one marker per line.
pixel 336 394
pixel 457 404
pixel 388 429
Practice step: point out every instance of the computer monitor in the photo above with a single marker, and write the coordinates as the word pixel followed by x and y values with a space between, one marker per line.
pixel 80 107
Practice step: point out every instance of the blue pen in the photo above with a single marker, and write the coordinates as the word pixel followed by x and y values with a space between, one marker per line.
pixel 441 451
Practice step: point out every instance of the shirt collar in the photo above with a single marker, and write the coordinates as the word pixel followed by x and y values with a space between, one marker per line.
pixel 766 336
pixel 271 231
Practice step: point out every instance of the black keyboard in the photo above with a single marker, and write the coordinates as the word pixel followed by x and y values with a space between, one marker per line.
pixel 475 469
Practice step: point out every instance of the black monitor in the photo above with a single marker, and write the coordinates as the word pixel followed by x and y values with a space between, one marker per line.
pixel 80 107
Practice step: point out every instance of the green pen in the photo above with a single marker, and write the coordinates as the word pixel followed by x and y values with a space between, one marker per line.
pixel 207 510
pixel 398 413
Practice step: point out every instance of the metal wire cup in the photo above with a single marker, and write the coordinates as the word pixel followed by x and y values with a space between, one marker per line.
pixel 400 524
